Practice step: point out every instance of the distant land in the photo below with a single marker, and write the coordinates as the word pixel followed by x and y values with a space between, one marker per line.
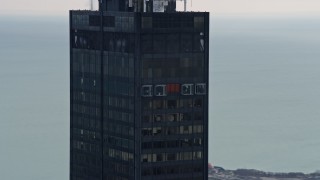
pixel 218 173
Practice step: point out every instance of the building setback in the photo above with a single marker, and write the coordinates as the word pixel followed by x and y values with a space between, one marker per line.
pixel 139 92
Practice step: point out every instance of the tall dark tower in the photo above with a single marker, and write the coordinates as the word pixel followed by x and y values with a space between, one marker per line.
pixel 139 92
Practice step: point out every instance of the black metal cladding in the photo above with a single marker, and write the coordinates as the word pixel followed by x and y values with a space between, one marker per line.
pixel 120 131
pixel 108 21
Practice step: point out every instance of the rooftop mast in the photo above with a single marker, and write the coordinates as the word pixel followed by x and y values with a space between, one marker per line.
pixel 91 5
pixel 140 5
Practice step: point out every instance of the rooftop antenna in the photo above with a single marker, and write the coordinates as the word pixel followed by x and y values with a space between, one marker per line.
pixel 91 5
pixel 185 4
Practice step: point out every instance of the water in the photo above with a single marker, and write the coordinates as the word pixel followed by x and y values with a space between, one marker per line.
pixel 34 110
pixel 264 95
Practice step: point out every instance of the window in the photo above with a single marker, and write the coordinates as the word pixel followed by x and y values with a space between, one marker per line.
pixel 187 89
pixel 159 170
pixel 146 43
pixel 198 42
pixel 186 156
pixel 197 129
pixel 132 46
pixel 185 62
pixel 131 132
pixel 185 129
pixel 118 42
pixel 171 144
pixel 199 23
pixel 173 88
pixel 147 118
pixel 159 144
pixel 201 89
pixel 197 155
pixel 146 22
pixel 186 42
pixel 185 103
pixel 198 116
pixel 146 171
pixel 146 90
pixel 173 45
pixel 159 104
pixel 159 43
pixel 147 145
pixel 157 130
pixel 187 22
pixel 185 116
pixel 160 90
pixel 197 142
pixel 171 117
pixel 172 130
pixel 147 105
pixel 198 103
pixel 144 158
pixel 173 170
pixel 108 21
pixel 157 72
pixel 94 20
pixel 171 157
pixel 172 104
pixel 158 118
pixel 160 157
pixel 147 131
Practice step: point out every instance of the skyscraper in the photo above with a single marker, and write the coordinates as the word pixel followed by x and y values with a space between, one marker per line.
pixel 139 92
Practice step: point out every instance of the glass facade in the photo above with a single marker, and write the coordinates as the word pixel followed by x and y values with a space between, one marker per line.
pixel 139 102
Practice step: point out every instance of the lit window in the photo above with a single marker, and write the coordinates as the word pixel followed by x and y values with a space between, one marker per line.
pixel 201 89
pixel 144 158
pixel 157 130
pixel 160 90
pixel 198 129
pixel 158 118
pixel 159 104
pixel 171 117
pixel 147 91
pixel 199 23
pixel 197 155
pixel 187 89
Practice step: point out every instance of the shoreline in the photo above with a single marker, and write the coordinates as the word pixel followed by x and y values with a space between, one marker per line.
pixel 219 173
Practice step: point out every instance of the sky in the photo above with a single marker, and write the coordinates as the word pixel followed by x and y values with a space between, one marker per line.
pixel 253 8
pixel 219 7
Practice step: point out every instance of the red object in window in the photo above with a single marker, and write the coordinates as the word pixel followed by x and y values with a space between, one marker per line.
pixel 173 88
pixel 177 88
pixel 169 88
